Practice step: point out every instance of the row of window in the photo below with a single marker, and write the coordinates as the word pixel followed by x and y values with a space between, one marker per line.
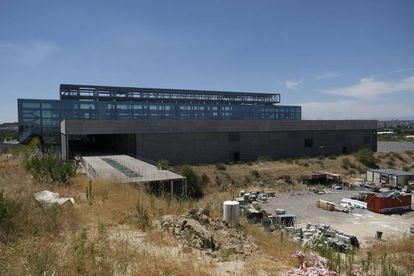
pixel 38 115
pixel 124 106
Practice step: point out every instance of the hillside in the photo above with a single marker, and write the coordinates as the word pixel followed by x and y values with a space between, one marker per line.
pixel 117 229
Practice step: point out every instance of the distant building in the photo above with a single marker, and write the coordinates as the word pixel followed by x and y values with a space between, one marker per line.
pixel 184 126
pixel 389 133
pixel 389 177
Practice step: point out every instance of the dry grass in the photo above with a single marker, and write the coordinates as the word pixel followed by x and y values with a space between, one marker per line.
pixel 78 240
pixel 50 240
pixel 276 245
pixel 397 252
pixel 269 175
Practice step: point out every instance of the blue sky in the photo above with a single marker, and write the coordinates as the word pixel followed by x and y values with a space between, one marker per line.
pixel 338 59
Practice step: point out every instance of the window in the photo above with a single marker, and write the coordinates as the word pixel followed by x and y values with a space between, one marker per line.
pixel 308 143
pixel 31 105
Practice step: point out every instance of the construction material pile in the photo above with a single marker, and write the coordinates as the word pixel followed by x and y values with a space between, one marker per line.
pixel 346 205
pixel 322 235
pixel 213 236
pixel 311 265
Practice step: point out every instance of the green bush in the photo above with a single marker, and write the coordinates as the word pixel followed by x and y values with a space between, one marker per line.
pixel 194 188
pixel 50 168
pixel 142 218
pixel 8 135
pixel 264 158
pixel 366 157
pixel 163 164
pixel 220 167
pixel 7 208
pixel 26 150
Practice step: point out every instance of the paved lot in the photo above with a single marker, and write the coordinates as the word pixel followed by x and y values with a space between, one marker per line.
pixel 360 222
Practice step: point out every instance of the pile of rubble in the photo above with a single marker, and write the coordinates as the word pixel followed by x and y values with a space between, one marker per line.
pixel 213 236
pixel 346 205
pixel 321 235
pixel 253 196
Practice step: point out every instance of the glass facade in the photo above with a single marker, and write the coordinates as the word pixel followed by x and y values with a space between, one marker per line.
pixel 43 117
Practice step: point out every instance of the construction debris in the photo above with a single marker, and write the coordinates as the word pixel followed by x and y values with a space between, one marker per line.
pixel 50 198
pixel 354 203
pixel 213 236
pixel 322 177
pixel 321 235
pixel 326 205
pixel 313 265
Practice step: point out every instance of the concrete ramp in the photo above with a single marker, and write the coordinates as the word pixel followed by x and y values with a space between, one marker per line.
pixel 126 169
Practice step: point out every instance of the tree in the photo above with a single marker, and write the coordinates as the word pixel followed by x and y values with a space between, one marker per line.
pixel 193 182
pixel 366 157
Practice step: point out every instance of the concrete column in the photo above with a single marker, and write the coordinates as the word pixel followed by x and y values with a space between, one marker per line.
pixel 172 187
pixel 64 146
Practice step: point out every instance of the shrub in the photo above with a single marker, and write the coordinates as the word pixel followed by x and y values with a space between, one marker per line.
pixel 346 163
pixel 220 167
pixel 255 173
pixel 205 179
pixel 194 188
pixel 89 193
pixel 50 168
pixel 26 150
pixel 163 164
pixel 286 178
pixel 264 158
pixel 366 157
pixel 142 218
pixel 7 210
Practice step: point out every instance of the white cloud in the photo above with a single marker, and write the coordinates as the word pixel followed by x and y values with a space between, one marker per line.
pixel 291 84
pixel 27 54
pixel 355 109
pixel 327 75
pixel 371 88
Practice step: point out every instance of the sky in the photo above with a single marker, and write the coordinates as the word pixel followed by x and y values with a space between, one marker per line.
pixel 337 59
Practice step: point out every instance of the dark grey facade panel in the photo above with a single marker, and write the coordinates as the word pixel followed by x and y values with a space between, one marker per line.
pixel 207 126
pixel 230 141
pixel 214 147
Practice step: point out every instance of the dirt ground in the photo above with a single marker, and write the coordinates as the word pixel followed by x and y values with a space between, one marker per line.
pixel 359 222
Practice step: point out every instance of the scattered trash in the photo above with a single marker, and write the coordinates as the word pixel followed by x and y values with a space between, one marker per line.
pixel 318 235
pixel 49 197
pixel 355 203
pixel 313 265
pixel 378 235
pixel 369 187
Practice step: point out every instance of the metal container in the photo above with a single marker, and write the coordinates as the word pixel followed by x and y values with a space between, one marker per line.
pixel 231 212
